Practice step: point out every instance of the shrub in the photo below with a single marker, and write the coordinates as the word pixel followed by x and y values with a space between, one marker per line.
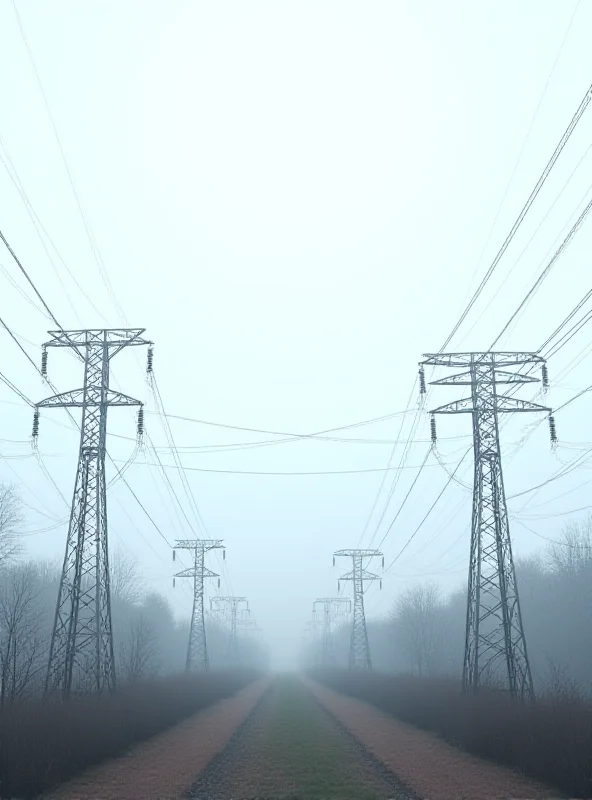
pixel 43 744
pixel 550 740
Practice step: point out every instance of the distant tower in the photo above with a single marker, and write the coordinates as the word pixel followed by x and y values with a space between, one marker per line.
pixel 81 651
pixel 328 603
pixel 197 648
pixel 232 604
pixel 494 632
pixel 359 651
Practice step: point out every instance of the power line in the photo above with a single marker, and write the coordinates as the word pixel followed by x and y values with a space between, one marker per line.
pixel 532 197
pixel 402 506
pixel 383 481
pixel 567 319
pixel 93 244
pixel 527 137
pixel 18 344
pixel 558 253
pixel 40 227
pixel 27 276
pixel 546 538
pixel 534 234
pixel 287 433
pixel 312 472
pixel 11 385
pixel 182 474
pixel 427 514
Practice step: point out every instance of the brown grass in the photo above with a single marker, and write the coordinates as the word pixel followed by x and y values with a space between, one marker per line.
pixel 43 744
pixel 167 765
pixel 550 740
pixel 430 766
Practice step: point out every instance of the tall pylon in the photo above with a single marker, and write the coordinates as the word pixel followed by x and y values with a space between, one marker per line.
pixel 327 649
pixel 232 605
pixel 197 647
pixel 81 653
pixel 359 651
pixel 495 645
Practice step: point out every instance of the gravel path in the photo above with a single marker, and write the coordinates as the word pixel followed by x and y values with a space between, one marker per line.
pixel 432 767
pixel 290 747
pixel 165 766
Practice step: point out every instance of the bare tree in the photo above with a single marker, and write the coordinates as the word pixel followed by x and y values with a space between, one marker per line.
pixel 11 518
pixel 22 644
pixel 126 582
pixel 415 617
pixel 574 552
pixel 139 651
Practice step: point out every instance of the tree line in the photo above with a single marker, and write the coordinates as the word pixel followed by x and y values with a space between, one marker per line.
pixel 148 640
pixel 424 631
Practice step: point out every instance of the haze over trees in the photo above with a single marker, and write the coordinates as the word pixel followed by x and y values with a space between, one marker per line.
pixel 423 633
pixel 149 641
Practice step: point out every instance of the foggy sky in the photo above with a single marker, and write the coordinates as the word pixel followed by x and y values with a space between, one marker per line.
pixel 295 200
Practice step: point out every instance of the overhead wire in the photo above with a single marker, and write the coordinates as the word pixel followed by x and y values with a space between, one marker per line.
pixel 29 279
pixel 524 211
pixel 182 473
pixel 544 274
pixel 526 138
pixel 41 229
pixel 389 463
pixel 277 472
pixel 426 515
pixel 86 223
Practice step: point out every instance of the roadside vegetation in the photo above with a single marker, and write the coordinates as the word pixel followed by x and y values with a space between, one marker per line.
pixel 550 740
pixel 43 744
pixel 417 652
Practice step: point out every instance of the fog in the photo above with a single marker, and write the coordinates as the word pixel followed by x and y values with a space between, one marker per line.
pixel 296 201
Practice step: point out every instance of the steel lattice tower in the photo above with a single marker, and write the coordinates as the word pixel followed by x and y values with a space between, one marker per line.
pixel 197 648
pixel 359 651
pixel 233 604
pixel 328 652
pixel 81 653
pixel 494 631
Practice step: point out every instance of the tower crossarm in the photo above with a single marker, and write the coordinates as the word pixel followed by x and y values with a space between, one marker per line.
pixel 204 544
pixel 490 357
pixel 77 398
pixel 363 575
pixel 116 338
pixel 503 404
pixel 190 573
pixel 501 376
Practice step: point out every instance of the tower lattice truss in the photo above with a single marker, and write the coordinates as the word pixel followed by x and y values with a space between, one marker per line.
pixel 359 651
pixel 495 644
pixel 81 653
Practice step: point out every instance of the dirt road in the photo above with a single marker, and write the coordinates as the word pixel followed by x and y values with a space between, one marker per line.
pixel 291 739
pixel 290 747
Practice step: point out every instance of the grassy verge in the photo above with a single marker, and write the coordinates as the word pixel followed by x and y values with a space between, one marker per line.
pixel 43 744
pixel 311 751
pixel 550 740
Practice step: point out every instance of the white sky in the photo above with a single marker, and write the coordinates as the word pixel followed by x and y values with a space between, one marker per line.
pixel 293 198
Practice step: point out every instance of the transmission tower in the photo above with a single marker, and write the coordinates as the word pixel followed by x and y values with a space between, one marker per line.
pixel 327 650
pixel 359 651
pixel 494 632
pixel 81 652
pixel 232 605
pixel 197 648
